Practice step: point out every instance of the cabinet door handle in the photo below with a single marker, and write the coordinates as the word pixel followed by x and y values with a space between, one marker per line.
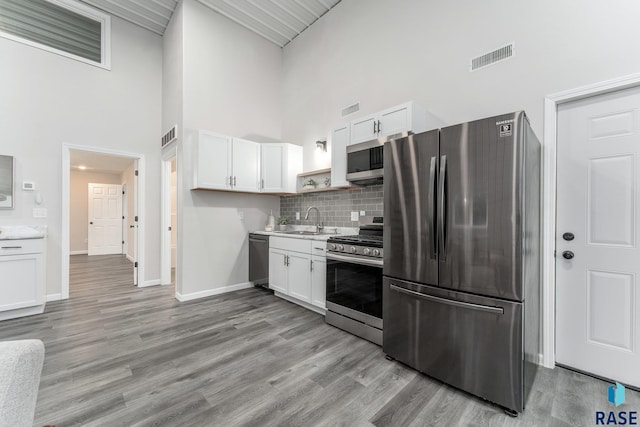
pixel 374 127
pixel 262 183
pixel 378 126
pixel 284 260
pixel 234 181
pixel 12 247
pixel 311 265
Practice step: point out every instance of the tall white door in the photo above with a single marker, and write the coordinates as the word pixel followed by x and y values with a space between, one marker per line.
pixel 105 219
pixel 597 259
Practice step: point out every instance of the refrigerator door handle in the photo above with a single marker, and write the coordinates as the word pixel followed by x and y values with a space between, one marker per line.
pixel 461 304
pixel 431 209
pixel 442 207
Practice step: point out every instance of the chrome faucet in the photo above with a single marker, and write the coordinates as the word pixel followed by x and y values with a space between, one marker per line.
pixel 319 224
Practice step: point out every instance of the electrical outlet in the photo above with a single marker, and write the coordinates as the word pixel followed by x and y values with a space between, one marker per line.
pixel 241 214
pixel 354 216
pixel 297 215
pixel 39 212
pixel 362 213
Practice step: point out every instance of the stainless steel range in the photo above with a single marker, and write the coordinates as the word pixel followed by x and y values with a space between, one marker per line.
pixel 354 282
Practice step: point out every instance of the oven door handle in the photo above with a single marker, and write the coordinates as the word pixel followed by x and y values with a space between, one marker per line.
pixel 353 260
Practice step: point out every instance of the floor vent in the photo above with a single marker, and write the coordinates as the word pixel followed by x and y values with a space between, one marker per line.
pixel 172 135
pixel 350 109
pixel 498 55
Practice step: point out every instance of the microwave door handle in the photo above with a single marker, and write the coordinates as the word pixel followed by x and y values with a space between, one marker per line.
pixel 431 209
pixel 442 208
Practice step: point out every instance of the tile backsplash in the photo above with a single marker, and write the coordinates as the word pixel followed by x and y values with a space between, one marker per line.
pixel 335 206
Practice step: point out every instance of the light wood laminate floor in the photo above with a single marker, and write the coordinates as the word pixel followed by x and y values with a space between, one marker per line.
pixel 117 355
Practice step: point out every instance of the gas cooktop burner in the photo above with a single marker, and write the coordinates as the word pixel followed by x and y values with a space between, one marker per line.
pixel 373 241
pixel 367 244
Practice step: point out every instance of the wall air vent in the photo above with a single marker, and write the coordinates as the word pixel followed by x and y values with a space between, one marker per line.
pixel 350 109
pixel 498 55
pixel 170 136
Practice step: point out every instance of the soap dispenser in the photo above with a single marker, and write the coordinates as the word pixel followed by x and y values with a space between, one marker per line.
pixel 271 222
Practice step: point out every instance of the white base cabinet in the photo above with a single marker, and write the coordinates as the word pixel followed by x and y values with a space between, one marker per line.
pixel 22 286
pixel 297 269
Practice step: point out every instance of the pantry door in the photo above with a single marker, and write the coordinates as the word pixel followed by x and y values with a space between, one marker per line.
pixel 105 219
pixel 597 255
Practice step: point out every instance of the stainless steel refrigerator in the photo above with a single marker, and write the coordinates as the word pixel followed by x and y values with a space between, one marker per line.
pixel 461 289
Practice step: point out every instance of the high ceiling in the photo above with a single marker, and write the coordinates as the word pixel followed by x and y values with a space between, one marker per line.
pixel 278 21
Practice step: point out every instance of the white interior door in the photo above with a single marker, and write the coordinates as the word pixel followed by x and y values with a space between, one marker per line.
pixel 597 291
pixel 105 219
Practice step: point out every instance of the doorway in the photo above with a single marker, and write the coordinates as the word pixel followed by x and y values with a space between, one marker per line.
pixel 597 269
pixel 97 186
pixel 169 236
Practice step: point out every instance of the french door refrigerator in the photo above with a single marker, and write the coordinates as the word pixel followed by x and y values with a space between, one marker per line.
pixel 461 287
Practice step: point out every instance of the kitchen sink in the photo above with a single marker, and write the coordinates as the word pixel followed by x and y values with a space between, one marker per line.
pixel 303 233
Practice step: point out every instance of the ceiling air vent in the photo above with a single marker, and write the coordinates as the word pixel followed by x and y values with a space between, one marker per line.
pixel 500 54
pixel 350 109
pixel 172 135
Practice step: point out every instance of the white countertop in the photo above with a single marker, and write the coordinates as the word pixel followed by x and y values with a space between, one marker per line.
pixel 14 232
pixel 330 232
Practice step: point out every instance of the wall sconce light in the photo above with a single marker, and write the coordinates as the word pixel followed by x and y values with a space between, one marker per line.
pixel 321 146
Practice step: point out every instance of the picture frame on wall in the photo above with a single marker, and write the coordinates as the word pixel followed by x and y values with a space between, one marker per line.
pixel 6 182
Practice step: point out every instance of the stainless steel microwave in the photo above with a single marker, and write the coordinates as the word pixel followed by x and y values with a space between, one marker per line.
pixel 365 162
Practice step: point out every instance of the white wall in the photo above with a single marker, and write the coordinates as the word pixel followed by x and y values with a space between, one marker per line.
pixel 231 84
pixel 79 205
pixel 48 100
pixel 382 53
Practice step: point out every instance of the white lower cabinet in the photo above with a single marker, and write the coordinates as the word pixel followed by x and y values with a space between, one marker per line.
pixel 319 281
pixel 278 270
pixel 23 280
pixel 297 272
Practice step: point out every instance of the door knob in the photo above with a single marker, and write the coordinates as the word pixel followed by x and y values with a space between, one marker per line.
pixel 91 223
pixel 568 236
pixel 567 255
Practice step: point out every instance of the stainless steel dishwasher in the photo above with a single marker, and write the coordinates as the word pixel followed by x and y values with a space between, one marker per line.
pixel 259 259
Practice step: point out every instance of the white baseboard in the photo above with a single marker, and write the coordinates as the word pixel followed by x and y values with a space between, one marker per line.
pixel 53 297
pixel 130 258
pixel 78 252
pixel 210 292
pixel 146 283
pixel 538 359
pixel 301 303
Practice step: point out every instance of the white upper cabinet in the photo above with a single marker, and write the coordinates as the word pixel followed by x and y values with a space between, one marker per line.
pixel 280 165
pixel 212 161
pixel 404 117
pixel 364 129
pixel 339 141
pixel 223 162
pixel 245 171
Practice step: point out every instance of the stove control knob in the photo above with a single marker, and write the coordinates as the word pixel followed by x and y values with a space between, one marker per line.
pixel 340 248
pixel 376 252
pixel 366 251
pixel 332 246
pixel 353 249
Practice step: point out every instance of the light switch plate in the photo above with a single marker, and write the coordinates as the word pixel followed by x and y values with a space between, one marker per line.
pixel 362 213
pixel 297 215
pixel 354 216
pixel 39 212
